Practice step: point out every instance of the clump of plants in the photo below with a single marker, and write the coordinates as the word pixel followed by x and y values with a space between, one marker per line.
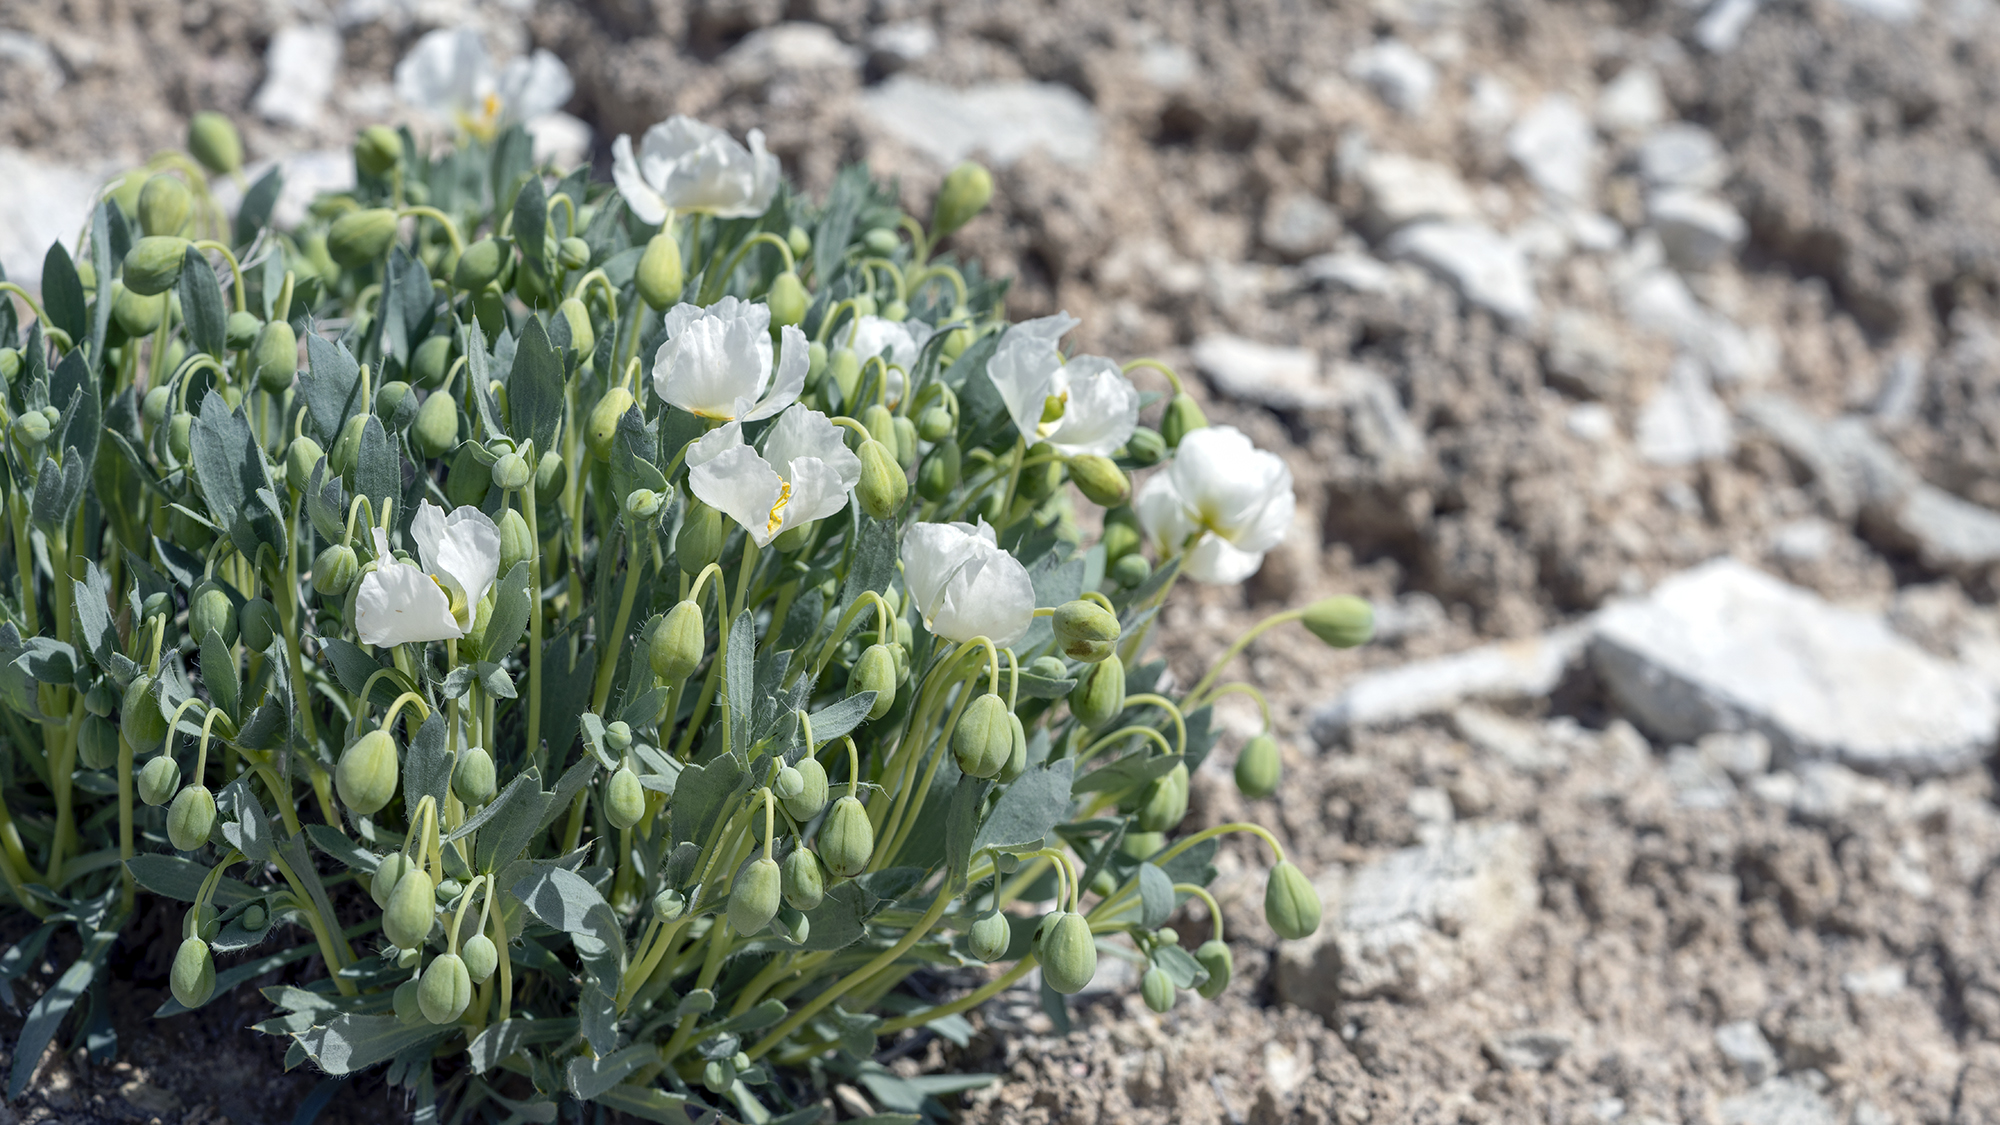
pixel 648 625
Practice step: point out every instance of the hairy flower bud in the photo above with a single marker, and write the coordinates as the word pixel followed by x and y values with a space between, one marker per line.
pixel 274 356
pixel 435 431
pixel 659 273
pixel 154 263
pixel 941 471
pixel 257 624
pixel 1258 767
pixel 1142 845
pixel 718 1076
pixel 346 453
pixel 241 329
pixel 1086 631
pixel 1131 571
pixel 881 241
pixel 409 1011
pixel 366 774
pixel 193 975
pixel 212 140
pixel 139 715
pixel 847 839
pixel 1166 801
pixel 360 237
pixel 805 885
pixel 473 779
pixel 97 743
pixel 811 796
pixel 669 905
pixel 624 799
pixel 1343 622
pixel 754 896
pixel 1017 753
pixel 431 362
pixel 582 336
pixel 905 447
pixel 875 670
pixel 989 936
pixel 935 424
pixel 1291 905
pixel 164 205
pixel 137 315
pixel 573 253
pixel 1183 417
pixel 1100 695
pixel 334 570
pixel 845 368
pixel 603 425
pixel 1067 952
pixel 967 189
pixel 446 989
pixel 1146 446
pixel 388 873
pixel 158 781
pixel 480 265
pixel 675 650
pixel 481 957
pixel 211 611
pixel 787 299
pixel 700 540
pixel 406 921
pixel 1158 990
pixel 190 818
pixel 883 486
pixel 1214 956
pixel 1102 482
pixel 511 472
pixel 377 150
pixel 983 739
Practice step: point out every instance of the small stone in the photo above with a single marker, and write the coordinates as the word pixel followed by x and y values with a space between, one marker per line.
pixel 1744 1045
pixel 1379 430
pixel 1278 377
pixel 1828 793
pixel 1585 354
pixel 1506 672
pixel 22 53
pixel 1591 421
pixel 1632 102
pixel 1695 228
pixel 1684 422
pixel 1398 74
pixel 787 48
pixel 1167 65
pixel 1298 225
pixel 1803 541
pixel 301 67
pixel 1521 745
pixel 1680 155
pixel 1742 754
pixel 1556 147
pixel 896 45
pixel 1697 783
pixel 1489 105
pixel 1398 190
pixel 1721 27
pixel 40 203
pixel 1487 270
pixel 149 1098
pixel 1778 1101
pixel 1353 272
pixel 1529 1049
pixel 1003 121
pixel 1657 300
pixel 1888 11
pixel 1948 534
pixel 1882 980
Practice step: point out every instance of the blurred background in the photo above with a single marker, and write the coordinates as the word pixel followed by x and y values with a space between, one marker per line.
pixel 1637 359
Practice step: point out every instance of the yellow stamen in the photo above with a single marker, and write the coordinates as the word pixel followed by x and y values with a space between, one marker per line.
pixel 778 509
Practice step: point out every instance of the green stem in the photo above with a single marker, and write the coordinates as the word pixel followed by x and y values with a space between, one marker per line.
pixel 612 646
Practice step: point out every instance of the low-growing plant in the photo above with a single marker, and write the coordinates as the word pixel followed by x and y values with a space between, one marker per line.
pixel 650 626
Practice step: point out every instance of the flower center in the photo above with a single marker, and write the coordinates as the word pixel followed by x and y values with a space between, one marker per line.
pixel 778 509
pixel 453 597
pixel 1053 409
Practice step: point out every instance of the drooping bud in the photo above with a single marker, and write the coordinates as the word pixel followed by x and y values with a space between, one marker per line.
pixel 31 429
pixel 406 921
pixel 258 624
pixel 1158 990
pixel 409 1011
pixel 700 540
pixel 602 428
pixel 137 315
pixel 787 299
pixel 1104 483
pixel 1291 905
pixel 847 839
pixel 989 936
pixel 193 976
pixel 158 781
pixel 240 330
pixel 1100 695
pixel 139 716
pixel 811 796
pixel 788 783
pixel 164 205
pixel 516 544
pixel 468 480
pixel 388 873
pixel 102 698
pixel 377 150
pixel 431 362
pixel 346 452
pixel 1086 631
pixel 573 253
pixel 875 671
pixel 473 778
pixel 618 735
pixel 97 743
pixel 582 336
pixel 274 357
pixel 1131 571
pixel 301 456
pixel 190 818
pixel 360 237
pixel 366 774
pixel 1166 801
pixel 895 310
pixel 1017 754
pixel 967 189
pixel 805 885
pixel 883 486
pixel 941 471
pixel 1067 952
pixel 1146 446
pixel 935 424
pixel 481 957
pixel 881 242
pixel 624 799
pixel 905 448
pixel 153 265
pixel 435 431
pixel 212 140
pixel 669 905
pixel 1183 417
pixel 480 265
pixel 754 896
pixel 511 472
pixel 846 369
pixel 659 274
pixel 446 989
pixel 211 611
pixel 983 739
pixel 1214 956
pixel 1259 767
pixel 334 570
pixel 675 650
pixel 1343 621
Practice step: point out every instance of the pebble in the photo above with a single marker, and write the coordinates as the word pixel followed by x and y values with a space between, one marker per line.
pixel 1778 1101
pixel 787 48
pixel 1523 746
pixel 1487 270
pixel 1696 228
pixel 1527 1049
pixel 896 45
pixel 1002 121
pixel 1591 421
pixel 1398 190
pixel 1721 27
pixel 1354 272
pixel 1632 102
pixel 1556 147
pixel 1298 225
pixel 1585 354
pixel 1697 783
pixel 1279 377
pixel 1397 73
pixel 1505 672
pixel 1684 422
pixel 1682 155
pixel 1727 647
pixel 1744 1045
pixel 40 203
pixel 23 53
pixel 301 67
pixel 1657 300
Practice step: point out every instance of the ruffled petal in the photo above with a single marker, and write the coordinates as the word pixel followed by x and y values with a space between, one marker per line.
pixel 399 604
pixel 427 532
pixel 443 70
pixel 1216 561
pixel 789 380
pixel 468 559
pixel 991 596
pixel 1163 514
pixel 817 492
pixel 696 372
pixel 932 555
pixel 739 484
pixel 533 86
pixel 639 196
pixel 1103 408
pixel 1024 366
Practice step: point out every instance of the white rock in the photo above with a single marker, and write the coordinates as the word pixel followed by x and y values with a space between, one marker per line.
pixel 1585 354
pixel 1168 66
pixel 1632 102
pixel 1779 1101
pixel 1591 421
pixel 1398 190
pixel 1721 27
pixel 1888 11
pixel 1804 540
pixel 1523 746
pixel 300 68
pixel 1948 533
pixel 1002 120
pixel 1682 155
pixel 1489 106
pixel 1509 671
pixel 1684 422
pixel 1882 980
pixel 1528 1049
pixel 1557 149
pixel 1697 782
pixel 903 42
pixel 1657 300
pixel 1742 754
pixel 1696 228
pixel 1346 269
pixel 1902 388
pixel 1397 73
pixel 1744 1045
pixel 1298 225
pixel 1378 428
pixel 1593 230
pixel 22 52
pixel 1414 614
pixel 307 176
pixel 787 48
pixel 40 203
pixel 1486 269
pixel 1728 647
pixel 1828 793
pixel 1280 377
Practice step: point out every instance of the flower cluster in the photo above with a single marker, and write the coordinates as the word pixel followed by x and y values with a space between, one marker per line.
pixel 628 644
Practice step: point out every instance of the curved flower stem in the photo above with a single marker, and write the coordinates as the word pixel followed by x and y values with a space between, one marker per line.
pixel 1193 698
pixel 236 270
pixel 883 618
pixel 742 251
pixel 1214 908
pixel 921 277
pixel 1173 378
pixel 1240 687
pixel 1122 733
pixel 444 220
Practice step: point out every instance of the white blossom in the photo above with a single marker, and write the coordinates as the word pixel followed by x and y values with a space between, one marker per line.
pixel 717 362
pixel 1086 405
pixel 1222 500
pixel 898 342
pixel 438 600
pixel 804 473
pixel 686 165
pixel 449 74
pixel 965 585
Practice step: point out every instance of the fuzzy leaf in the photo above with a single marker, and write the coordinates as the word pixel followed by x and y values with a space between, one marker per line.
pixel 1031 806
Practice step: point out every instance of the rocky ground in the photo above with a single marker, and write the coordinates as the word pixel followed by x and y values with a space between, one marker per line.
pixel 1551 307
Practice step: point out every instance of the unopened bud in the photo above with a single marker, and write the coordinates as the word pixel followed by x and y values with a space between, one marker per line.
pixel 377 150
pixel 274 356
pixel 1214 957
pixel 435 431
pixel 676 647
pixel 941 471
pixel 1291 905
pixel 190 818
pixel 573 253
pixel 624 799
pixel 193 976
pixel 883 487
pixel 659 274
pixel 1100 696
pixel 701 537
pixel 511 472
pixel 642 504
pixel 137 315
pixel 334 570
pixel 602 428
pixel 847 839
pixel 212 140
pixel 366 774
pixel 982 740
pixel 473 778
pixel 967 189
pixel 1067 951
pixel 1086 631
pixel 153 265
pixel 1158 990
pixel 989 936
pixel 1104 483
pixel 446 989
pixel 1146 446
pixel 1259 766
pixel 1182 418
pixel 755 895
pixel 804 884
pixel 787 299
pixel 1343 621
pixel 812 795
pixel 360 237
pixel 582 336
pixel 164 205
pixel 480 265
pixel 875 670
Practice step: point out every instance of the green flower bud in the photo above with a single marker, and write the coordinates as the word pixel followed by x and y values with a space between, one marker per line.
pixel 618 735
pixel 1182 418
pixel 1142 845
pixel 1158 989
pixel 511 472
pixel 480 956
pixel 406 921
pixel 989 936
pixel 190 818
pixel 1291 905
pixel 102 698
pixel 479 266
pixel 603 425
pixel 787 299
pixel 805 885
pixel 32 429
pixel 200 921
pixel 301 457
pixel 1049 668
pixel 895 310
pixel 1131 571
pixel 377 150
pixel 241 329
pixel 1040 480
pixel 366 773
pixel 1086 631
pixel 258 624
pixel 718 1075
pixel 334 570
pixel 435 431
pixel 1017 754
pixel 799 241
pixel 793 539
pixel 159 780
pixel 875 670
pixel 164 205
pixel 581 336
pixel 472 779
pixel 982 739
pixel 700 539
pixel 941 471
pixel 213 141
pixel 153 265
pixel 1067 952
pixel 573 253
pixel 389 399
pixel 955 342
pixel 880 422
pixel 193 976
pixel 97 743
pixel 1343 622
pixel 156 403
pixel 346 452
pixel 211 611
pixel 551 474
pixel 883 486
pixel 254 917
pixel 905 448
pixel 1146 446
pixel 179 429
pixel 677 645
pixel 1214 956
pixel 468 480
pixel 446 989
pixel 846 368
pixel 516 544
pixel 139 716
pixel 1258 767
pixel 659 273
pixel 624 799
pixel 10 364
pixel 274 356
pixel 361 237
pixel 669 905
pixel 811 796
pixel 388 873
pixel 847 839
pixel 754 897
pixel 788 784
pixel 1166 801
pixel 966 191
pixel 409 1010
pixel 1100 695
pixel 431 362
pixel 1104 483
pixel 815 362
pixel 137 315
pixel 881 241
pixel 934 425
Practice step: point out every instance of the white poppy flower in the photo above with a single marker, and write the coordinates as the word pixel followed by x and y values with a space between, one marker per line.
pixel 965 585
pixel 685 165
pixel 1233 499
pixel 717 362
pixel 1084 406
pixel 903 340
pixel 437 601
pixel 804 473
pixel 450 74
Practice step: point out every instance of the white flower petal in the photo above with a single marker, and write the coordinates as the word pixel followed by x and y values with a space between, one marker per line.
pixel 1215 560
pixel 639 195
pixel 398 603
pixel 444 71
pixel 697 167
pixel 714 444
pixel 1238 497
pixel 1025 366
pixel 817 492
pixel 739 484
pixel 469 557
pixel 533 86
pixel 964 585
pixel 800 434
pixel 1102 411
pixel 790 381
